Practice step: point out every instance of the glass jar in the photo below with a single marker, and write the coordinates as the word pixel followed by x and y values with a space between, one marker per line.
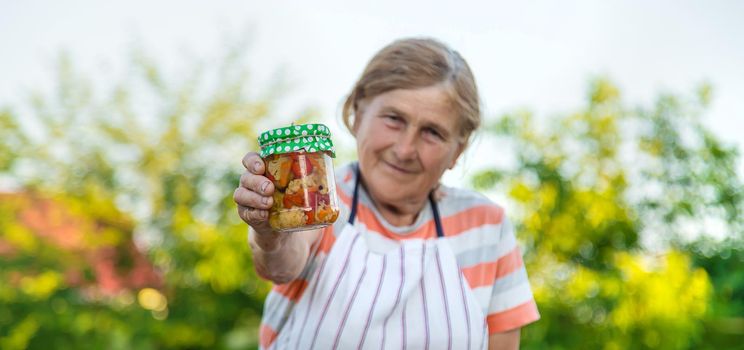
pixel 298 160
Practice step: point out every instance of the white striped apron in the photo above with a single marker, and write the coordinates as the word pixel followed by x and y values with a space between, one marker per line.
pixel 413 297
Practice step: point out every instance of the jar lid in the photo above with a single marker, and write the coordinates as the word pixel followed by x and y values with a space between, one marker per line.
pixel 293 138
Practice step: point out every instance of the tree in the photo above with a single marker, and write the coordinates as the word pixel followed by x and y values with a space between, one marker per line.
pixel 604 198
pixel 150 158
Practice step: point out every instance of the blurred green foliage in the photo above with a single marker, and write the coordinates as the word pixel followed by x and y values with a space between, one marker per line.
pixel 120 231
pixel 153 158
pixel 617 207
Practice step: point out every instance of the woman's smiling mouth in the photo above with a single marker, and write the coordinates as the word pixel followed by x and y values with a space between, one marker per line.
pixel 398 169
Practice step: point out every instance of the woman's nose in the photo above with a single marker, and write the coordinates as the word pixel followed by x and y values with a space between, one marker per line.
pixel 405 146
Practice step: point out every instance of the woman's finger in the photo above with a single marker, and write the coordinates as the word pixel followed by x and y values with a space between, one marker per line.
pixel 251 199
pixel 252 216
pixel 257 183
pixel 253 163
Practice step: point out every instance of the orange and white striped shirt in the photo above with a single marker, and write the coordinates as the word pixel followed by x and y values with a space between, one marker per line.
pixel 477 231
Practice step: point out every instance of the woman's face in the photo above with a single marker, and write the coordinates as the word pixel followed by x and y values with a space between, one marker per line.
pixel 406 139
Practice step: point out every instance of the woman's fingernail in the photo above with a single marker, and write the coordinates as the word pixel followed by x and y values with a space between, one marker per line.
pixel 257 165
pixel 265 200
pixel 263 187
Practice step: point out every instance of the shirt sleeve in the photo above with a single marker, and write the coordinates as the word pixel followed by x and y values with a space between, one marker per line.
pixel 511 305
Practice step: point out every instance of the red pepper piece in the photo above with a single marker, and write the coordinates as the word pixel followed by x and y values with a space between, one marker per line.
pixel 310 217
pixel 294 200
pixel 297 165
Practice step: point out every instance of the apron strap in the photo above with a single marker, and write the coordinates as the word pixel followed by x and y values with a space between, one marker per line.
pixel 352 215
pixel 354 200
pixel 435 213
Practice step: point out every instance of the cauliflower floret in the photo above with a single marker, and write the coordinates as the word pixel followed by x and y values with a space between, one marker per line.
pixel 278 201
pixel 279 171
pixel 325 213
pixel 319 165
pixel 288 219
pixel 317 182
pixel 312 182
pixel 294 186
pixel 274 166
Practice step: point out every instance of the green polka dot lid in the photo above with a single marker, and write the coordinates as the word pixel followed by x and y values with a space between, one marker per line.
pixel 295 138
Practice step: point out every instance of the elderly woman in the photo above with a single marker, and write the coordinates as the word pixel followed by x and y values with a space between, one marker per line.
pixel 408 263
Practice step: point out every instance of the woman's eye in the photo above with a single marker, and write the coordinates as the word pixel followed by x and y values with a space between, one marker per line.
pixel 393 120
pixel 434 133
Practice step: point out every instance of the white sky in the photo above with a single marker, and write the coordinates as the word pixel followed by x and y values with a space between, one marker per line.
pixel 538 54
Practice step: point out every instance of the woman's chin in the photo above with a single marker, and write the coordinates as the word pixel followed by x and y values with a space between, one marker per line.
pixel 402 201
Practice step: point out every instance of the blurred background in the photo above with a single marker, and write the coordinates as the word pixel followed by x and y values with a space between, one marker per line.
pixel 611 134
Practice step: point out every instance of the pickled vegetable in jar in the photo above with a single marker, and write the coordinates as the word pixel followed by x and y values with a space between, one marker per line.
pixel 298 160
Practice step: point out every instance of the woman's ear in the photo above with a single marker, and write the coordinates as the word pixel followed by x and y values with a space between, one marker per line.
pixel 358 112
pixel 458 153
pixel 355 123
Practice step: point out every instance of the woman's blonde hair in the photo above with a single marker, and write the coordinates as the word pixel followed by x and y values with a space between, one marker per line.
pixel 417 63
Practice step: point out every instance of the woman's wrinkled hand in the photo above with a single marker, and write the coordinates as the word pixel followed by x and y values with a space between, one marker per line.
pixel 254 195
